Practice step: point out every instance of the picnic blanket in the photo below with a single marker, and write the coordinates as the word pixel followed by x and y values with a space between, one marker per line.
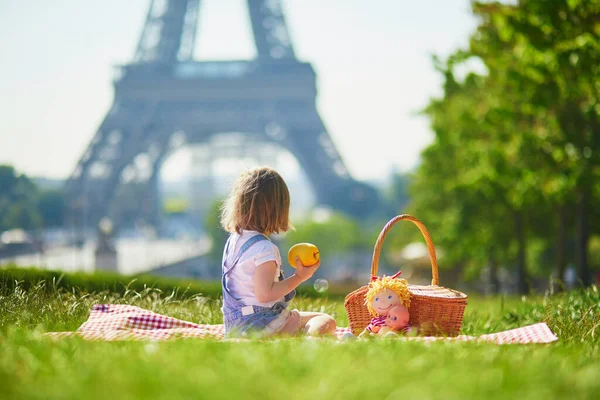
pixel 125 322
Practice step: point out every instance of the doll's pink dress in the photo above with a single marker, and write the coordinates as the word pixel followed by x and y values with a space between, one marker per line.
pixel 379 322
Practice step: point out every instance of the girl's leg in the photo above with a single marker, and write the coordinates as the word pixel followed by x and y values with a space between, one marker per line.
pixel 316 323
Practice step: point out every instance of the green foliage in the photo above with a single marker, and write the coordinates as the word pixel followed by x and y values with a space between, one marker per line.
pixel 52 208
pixel 23 205
pixel 516 144
pixel 100 281
pixel 17 201
pixel 214 230
pixel 397 196
pixel 336 233
pixel 595 252
pixel 174 206
pixel 21 215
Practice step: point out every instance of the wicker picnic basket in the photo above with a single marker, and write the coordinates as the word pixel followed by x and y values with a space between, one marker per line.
pixel 434 309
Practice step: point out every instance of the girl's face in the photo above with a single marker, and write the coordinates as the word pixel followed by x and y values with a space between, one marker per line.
pixel 384 301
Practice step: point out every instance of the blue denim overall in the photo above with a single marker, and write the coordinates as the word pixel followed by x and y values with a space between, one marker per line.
pixel 239 318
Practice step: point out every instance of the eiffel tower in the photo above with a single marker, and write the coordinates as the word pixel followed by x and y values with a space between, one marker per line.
pixel 164 99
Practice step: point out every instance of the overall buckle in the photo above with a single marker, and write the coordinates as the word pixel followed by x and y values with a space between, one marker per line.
pixel 247 310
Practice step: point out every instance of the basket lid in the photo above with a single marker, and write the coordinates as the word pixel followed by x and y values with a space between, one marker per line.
pixel 436 291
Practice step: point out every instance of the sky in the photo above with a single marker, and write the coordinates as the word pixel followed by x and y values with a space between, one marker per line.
pixel 372 59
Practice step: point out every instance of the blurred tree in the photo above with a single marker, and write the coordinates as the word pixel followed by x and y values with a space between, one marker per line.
pixel 175 206
pixel 335 233
pixel 595 252
pixel 515 148
pixel 345 243
pixel 23 216
pixel 8 178
pixel 217 235
pixel 51 205
pixel 457 186
pixel 396 196
pixel 549 53
pixel 18 201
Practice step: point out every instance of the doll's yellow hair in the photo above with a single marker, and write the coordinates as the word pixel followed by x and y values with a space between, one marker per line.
pixel 397 285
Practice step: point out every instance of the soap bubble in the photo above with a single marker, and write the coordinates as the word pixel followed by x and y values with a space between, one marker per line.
pixel 321 285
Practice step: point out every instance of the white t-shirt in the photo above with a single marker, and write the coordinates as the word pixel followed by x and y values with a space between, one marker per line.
pixel 240 280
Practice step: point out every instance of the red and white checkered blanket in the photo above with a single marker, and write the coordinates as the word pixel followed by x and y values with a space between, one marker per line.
pixel 122 322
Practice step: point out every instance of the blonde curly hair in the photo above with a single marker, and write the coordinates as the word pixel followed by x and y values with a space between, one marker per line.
pixel 397 285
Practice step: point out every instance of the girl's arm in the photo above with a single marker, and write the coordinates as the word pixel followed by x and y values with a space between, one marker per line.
pixel 266 289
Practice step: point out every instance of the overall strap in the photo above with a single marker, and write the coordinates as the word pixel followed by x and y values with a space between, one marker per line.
pixel 249 243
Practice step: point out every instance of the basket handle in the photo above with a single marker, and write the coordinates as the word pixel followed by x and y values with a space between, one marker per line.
pixel 435 280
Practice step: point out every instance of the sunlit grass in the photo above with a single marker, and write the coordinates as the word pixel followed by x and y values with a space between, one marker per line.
pixel 573 316
pixel 33 366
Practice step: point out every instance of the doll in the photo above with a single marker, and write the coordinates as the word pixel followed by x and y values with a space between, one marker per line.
pixel 396 320
pixel 382 295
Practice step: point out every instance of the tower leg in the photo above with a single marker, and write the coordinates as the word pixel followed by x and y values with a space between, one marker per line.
pixel 308 140
pixel 105 255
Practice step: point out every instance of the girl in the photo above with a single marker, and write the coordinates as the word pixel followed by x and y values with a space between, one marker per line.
pixel 255 293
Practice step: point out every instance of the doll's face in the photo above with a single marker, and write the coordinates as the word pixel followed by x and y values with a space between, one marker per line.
pixel 397 317
pixel 384 301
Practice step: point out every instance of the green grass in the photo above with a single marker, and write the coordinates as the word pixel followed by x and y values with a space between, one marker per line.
pixel 12 276
pixel 36 367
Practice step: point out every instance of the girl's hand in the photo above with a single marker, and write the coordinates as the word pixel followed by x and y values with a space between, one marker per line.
pixel 305 273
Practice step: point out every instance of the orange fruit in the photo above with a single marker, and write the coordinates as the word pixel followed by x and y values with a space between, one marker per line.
pixel 307 252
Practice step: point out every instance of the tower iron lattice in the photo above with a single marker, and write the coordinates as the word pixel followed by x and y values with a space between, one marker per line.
pixel 164 99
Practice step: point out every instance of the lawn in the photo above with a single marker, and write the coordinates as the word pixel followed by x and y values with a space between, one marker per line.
pixel 36 367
